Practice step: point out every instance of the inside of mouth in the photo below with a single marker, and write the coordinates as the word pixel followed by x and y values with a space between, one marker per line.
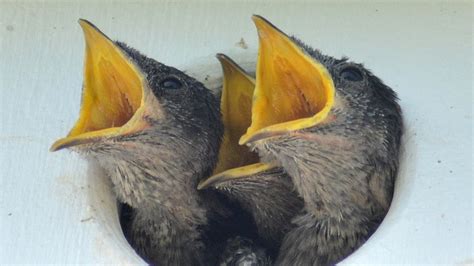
pixel 291 93
pixel 236 109
pixel 293 90
pixel 112 91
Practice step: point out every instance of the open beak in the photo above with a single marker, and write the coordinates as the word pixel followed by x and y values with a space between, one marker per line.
pixel 236 107
pixel 293 91
pixel 113 93
pixel 236 104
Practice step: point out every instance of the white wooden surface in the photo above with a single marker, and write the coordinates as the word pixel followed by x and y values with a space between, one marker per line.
pixel 55 209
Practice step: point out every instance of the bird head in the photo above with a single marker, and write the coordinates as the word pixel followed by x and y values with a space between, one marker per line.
pixel 144 122
pixel 263 190
pixel 235 161
pixel 330 123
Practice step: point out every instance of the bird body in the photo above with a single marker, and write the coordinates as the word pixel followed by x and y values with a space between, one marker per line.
pixel 334 129
pixel 338 139
pixel 263 190
pixel 146 123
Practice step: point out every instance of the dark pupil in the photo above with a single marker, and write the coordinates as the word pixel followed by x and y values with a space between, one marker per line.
pixel 171 83
pixel 352 74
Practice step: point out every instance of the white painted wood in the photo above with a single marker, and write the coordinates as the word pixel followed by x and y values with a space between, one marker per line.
pixel 54 210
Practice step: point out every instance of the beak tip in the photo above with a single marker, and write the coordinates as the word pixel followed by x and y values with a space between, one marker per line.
pixel 245 139
pixel 83 22
pixel 56 146
pixel 220 57
pixel 225 61
pixel 90 29
pixel 256 17
pixel 260 21
pixel 53 148
pixel 66 142
pixel 202 185
pixel 212 181
pixel 261 135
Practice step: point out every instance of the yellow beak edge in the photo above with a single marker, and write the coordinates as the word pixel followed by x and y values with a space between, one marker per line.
pixel 293 91
pixel 113 92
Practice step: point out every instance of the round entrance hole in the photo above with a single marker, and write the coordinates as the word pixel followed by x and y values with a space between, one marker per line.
pixel 111 215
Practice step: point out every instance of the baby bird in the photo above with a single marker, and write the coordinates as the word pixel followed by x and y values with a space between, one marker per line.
pixel 263 190
pixel 335 128
pixel 150 127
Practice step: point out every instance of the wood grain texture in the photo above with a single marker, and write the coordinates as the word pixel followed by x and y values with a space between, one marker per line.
pixel 56 209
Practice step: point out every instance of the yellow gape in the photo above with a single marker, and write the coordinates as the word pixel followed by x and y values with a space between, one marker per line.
pixel 113 91
pixel 293 91
pixel 236 108
pixel 235 161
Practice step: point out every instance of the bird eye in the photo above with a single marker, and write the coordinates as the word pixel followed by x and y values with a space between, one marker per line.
pixel 171 83
pixel 352 74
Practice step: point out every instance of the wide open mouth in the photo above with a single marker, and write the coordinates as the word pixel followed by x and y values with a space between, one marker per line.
pixel 235 161
pixel 112 91
pixel 236 107
pixel 293 91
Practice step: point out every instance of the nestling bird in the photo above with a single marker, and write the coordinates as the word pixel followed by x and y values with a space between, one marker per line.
pixel 264 190
pixel 156 132
pixel 236 104
pixel 335 129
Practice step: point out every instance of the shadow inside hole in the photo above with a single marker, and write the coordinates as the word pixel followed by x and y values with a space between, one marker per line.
pixel 125 218
pixel 217 234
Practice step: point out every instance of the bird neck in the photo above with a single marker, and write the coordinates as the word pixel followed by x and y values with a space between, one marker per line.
pixel 154 188
pixel 340 212
pixel 330 175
